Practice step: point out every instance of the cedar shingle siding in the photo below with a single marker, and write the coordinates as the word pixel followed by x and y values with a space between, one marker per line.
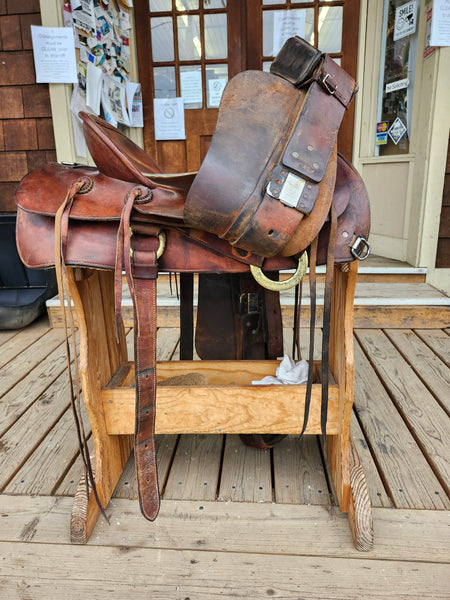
pixel 26 129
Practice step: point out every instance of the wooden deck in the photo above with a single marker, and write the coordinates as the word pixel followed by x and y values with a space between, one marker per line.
pixel 235 522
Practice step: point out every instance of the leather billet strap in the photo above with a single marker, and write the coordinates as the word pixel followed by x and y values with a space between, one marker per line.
pixel 141 270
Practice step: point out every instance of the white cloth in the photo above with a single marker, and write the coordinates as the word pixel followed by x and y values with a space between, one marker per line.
pixel 289 372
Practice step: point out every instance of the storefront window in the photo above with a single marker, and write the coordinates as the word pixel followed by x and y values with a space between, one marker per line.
pixel 398 63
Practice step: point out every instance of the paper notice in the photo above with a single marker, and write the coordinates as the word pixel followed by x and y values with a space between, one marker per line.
pixel 54 54
pixel 93 87
pixel 114 101
pixel 169 118
pixel 215 88
pixel 287 24
pixel 440 23
pixel 134 104
pixel 191 87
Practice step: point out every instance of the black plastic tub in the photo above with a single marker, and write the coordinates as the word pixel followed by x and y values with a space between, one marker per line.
pixel 23 291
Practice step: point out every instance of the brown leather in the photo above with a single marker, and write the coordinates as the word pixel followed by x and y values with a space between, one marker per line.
pixel 221 220
pixel 255 137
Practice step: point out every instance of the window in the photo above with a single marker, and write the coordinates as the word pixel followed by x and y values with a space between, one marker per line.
pixel 396 85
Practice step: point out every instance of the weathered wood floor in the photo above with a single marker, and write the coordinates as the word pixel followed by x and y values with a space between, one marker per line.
pixel 235 522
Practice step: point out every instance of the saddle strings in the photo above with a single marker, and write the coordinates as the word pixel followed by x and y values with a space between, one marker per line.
pixel 326 325
pixel 61 238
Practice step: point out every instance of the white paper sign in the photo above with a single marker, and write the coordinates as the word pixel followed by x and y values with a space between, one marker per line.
pixel 169 118
pixel 84 15
pixel 54 54
pixel 93 87
pixel 397 85
pixel 440 23
pixel 215 88
pixel 405 20
pixel 287 24
pixel 134 103
pixel 191 87
pixel 114 101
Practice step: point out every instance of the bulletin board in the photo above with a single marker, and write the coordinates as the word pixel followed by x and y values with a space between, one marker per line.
pixel 102 31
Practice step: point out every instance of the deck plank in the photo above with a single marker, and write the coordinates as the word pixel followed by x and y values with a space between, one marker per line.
pixel 298 472
pixel 24 338
pixel 378 495
pixel 246 473
pixel 233 527
pixel 431 370
pixel 438 340
pixel 69 484
pixel 165 448
pixel 195 470
pixel 51 459
pixel 29 358
pixel 393 447
pixel 425 418
pixel 7 334
pixel 26 389
pixel 22 438
pixel 56 571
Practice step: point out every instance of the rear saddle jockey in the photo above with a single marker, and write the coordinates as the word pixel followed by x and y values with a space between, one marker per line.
pixel 271 191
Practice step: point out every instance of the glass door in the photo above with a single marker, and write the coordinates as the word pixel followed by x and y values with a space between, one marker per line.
pixel 190 48
pixel 185 52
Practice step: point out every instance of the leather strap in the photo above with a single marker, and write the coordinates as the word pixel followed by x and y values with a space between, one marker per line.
pixel 326 325
pixel 312 326
pixel 141 271
pixel 61 236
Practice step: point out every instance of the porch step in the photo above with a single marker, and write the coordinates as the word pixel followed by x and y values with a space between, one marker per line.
pixel 381 301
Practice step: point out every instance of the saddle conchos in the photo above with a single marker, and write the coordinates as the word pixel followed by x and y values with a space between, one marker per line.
pixel 271 192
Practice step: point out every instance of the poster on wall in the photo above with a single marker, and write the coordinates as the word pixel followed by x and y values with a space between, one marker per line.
pixel 440 23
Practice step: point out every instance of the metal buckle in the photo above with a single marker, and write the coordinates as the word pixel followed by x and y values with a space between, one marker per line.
pixel 357 252
pixel 331 88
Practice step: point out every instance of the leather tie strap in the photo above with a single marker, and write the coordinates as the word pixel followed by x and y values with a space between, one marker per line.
pixel 61 236
pixel 326 325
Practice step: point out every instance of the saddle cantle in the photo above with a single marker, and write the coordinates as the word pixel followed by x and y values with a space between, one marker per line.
pixel 271 188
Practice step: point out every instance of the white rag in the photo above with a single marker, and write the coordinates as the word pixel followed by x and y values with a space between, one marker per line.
pixel 289 372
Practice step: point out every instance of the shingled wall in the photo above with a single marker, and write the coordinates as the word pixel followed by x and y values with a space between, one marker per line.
pixel 26 129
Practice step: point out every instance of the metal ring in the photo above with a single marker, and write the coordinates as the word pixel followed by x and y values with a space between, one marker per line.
pixel 287 284
pixel 360 248
pixel 162 244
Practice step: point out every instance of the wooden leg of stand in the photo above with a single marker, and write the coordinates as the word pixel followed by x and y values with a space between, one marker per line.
pixel 346 469
pixel 100 354
pixel 360 509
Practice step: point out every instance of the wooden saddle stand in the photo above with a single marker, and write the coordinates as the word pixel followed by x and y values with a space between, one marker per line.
pixel 272 192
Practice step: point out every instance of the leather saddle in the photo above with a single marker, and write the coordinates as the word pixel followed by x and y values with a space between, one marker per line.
pixel 271 191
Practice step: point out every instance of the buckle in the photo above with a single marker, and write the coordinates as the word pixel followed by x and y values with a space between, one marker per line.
pixel 330 86
pixel 360 248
